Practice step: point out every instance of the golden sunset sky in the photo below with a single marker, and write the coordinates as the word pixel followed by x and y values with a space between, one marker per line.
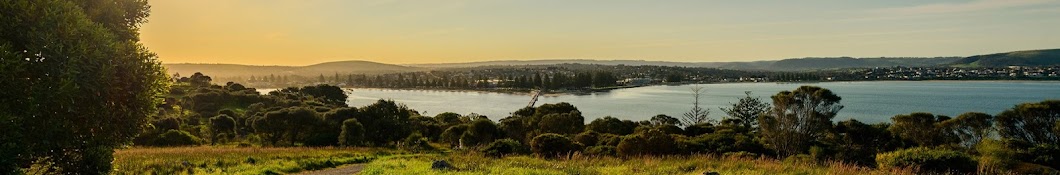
pixel 303 32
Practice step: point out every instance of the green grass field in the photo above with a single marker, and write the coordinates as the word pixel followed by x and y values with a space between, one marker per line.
pixel 233 160
pixel 472 163
pixel 253 160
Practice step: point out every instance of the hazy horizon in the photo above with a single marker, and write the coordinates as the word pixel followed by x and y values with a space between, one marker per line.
pixel 294 33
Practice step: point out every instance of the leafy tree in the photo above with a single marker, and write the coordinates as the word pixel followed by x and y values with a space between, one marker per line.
pixel 747 110
pixel 798 118
pixel 587 138
pixel 699 129
pixel 921 128
pixel 633 145
pixel 76 83
pixel 385 121
pixel 1031 122
pixel 562 123
pixel 352 133
pixel 221 125
pixel 551 145
pixel 504 147
pixel 611 125
pixel 697 114
pixel 663 119
pixel 453 134
pixel 857 142
pixel 449 119
pixel 328 94
pixel 480 131
pixel 969 128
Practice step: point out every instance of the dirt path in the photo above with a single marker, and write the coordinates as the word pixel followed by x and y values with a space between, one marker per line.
pixel 345 169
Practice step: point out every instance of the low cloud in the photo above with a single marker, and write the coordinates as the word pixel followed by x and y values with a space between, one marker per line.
pixel 978 5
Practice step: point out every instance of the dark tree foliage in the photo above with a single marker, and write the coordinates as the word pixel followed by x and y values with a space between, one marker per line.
pixel 551 145
pixel 699 129
pixel 385 121
pixel 857 142
pixel 663 119
pixel 503 147
pixel 1031 122
pixel 480 132
pixel 352 133
pixel 632 145
pixel 923 129
pixel 562 123
pixel 221 125
pixel 76 83
pixel 724 141
pixel 588 138
pixel 969 128
pixel 289 122
pixel 452 134
pixel 332 95
pixel 799 118
pixel 747 109
pixel 611 125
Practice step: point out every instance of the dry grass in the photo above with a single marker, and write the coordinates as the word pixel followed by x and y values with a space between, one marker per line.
pixel 235 160
pixel 473 163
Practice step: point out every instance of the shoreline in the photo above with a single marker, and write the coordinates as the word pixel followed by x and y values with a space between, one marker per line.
pixel 607 89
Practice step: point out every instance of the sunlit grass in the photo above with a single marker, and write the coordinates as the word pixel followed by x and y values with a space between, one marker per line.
pixel 472 163
pixel 235 160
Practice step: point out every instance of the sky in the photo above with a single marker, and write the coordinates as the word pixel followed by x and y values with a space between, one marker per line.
pixel 304 32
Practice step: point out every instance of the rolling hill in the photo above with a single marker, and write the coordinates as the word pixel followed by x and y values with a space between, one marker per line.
pixel 1046 57
pixel 794 64
pixel 236 70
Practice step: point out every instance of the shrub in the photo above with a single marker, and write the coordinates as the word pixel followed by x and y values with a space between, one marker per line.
pixel 452 134
pixel 416 142
pixel 1042 154
pixel 608 140
pixel 632 145
pixel 601 151
pixel 352 133
pixel 177 138
pixel 995 156
pixel 504 147
pixel 550 145
pixel 928 160
pixel 587 138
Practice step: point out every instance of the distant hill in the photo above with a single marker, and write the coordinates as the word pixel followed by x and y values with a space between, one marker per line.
pixel 1047 57
pixel 329 68
pixel 794 64
pixel 1017 58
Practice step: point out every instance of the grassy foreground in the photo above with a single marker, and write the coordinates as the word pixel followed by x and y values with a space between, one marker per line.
pixel 472 163
pixel 233 160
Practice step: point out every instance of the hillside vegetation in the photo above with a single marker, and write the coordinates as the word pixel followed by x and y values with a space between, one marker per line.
pixel 329 68
pixel 1047 57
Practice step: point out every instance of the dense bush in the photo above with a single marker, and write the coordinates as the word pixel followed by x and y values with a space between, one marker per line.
pixel 632 145
pixel 1042 154
pixel 552 145
pixel 587 138
pixel 504 147
pixel 480 132
pixel 416 142
pixel 995 156
pixel 177 138
pixel 352 133
pixel 601 151
pixel 928 160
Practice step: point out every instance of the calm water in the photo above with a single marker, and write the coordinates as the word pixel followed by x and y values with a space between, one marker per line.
pixel 866 101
